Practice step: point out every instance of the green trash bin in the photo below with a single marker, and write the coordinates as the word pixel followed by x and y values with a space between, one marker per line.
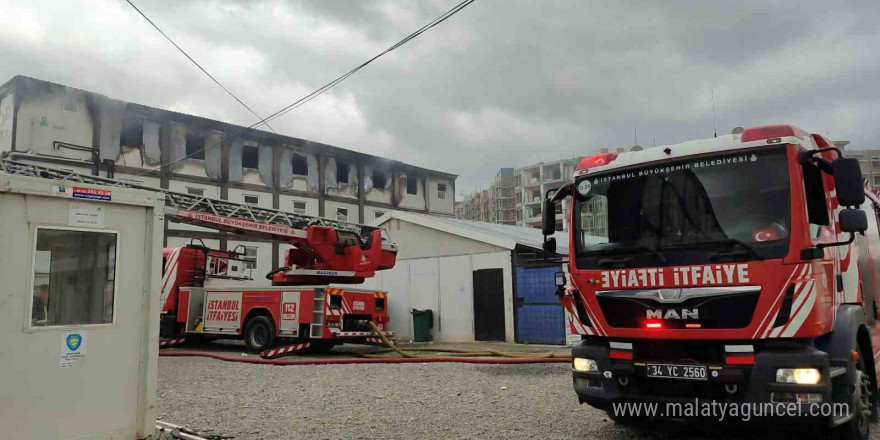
pixel 423 322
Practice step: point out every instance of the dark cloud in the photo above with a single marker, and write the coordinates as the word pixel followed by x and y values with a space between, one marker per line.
pixel 503 83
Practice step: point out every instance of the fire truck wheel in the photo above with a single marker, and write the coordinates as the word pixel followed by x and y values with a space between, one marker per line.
pixel 863 405
pixel 259 334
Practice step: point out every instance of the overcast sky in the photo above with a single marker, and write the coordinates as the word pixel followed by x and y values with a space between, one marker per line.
pixel 502 83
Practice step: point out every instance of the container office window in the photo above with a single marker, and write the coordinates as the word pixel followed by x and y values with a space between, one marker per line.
pixel 74 277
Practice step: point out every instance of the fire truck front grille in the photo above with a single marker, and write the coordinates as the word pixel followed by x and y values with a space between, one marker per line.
pixel 679 352
pixel 721 311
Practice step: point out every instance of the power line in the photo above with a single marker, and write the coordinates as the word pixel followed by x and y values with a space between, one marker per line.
pixel 197 64
pixel 327 86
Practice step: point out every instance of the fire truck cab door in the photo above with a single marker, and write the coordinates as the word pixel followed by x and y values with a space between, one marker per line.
pixel 288 325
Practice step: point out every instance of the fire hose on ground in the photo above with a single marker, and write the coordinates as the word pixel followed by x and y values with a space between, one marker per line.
pixel 406 356
pixel 179 432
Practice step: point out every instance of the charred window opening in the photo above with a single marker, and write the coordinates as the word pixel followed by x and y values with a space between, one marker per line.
pixel 342 172
pixel 132 133
pixel 441 190
pixel 380 179
pixel 299 164
pixel 250 157
pixel 412 184
pixel 195 146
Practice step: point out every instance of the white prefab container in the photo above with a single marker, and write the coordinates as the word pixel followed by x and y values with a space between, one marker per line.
pixel 79 309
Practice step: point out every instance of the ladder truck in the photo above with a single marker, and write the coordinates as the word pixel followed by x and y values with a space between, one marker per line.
pixel 306 306
pixel 740 270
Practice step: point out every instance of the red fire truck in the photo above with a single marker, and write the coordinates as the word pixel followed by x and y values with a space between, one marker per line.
pixel 738 269
pixel 301 308
pixel 304 306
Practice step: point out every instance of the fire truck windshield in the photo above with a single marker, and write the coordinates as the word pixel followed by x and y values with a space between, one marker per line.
pixel 728 207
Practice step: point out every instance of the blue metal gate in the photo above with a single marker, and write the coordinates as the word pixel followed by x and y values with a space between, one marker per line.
pixel 539 315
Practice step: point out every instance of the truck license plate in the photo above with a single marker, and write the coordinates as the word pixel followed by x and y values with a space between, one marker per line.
pixel 690 372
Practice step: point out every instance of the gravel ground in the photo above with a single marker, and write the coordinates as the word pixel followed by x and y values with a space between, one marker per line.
pixel 395 401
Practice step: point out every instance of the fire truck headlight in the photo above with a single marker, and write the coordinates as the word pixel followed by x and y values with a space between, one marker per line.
pixel 800 376
pixel 585 365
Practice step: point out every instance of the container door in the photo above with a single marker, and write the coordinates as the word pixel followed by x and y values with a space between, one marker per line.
pixel 540 318
pixel 489 305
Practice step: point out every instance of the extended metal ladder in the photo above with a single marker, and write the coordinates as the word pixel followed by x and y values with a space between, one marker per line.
pixel 180 206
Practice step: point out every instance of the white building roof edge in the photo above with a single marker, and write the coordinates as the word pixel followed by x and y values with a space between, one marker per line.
pixel 490 233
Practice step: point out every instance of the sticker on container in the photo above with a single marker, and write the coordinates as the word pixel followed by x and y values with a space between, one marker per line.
pixel 73 348
pixel 62 191
pixel 85 215
pixel 91 194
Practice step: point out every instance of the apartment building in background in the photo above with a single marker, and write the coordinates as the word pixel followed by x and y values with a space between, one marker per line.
pixel 515 194
pixel 528 185
pixel 65 127
pixel 869 160
pixel 533 183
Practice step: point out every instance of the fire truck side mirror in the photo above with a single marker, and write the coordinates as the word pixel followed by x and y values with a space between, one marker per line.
pixel 548 217
pixel 853 220
pixel 848 182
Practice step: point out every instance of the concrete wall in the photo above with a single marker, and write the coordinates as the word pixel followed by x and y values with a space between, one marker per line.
pixel 340 186
pixel 211 191
pixel 436 204
pixel 373 190
pixel 419 242
pixel 139 179
pixel 6 112
pixel 371 213
pixel 330 210
pixel 285 203
pixel 61 115
pixel 265 198
pixel 411 201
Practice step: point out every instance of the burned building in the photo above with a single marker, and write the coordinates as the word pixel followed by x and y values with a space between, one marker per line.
pixel 69 128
